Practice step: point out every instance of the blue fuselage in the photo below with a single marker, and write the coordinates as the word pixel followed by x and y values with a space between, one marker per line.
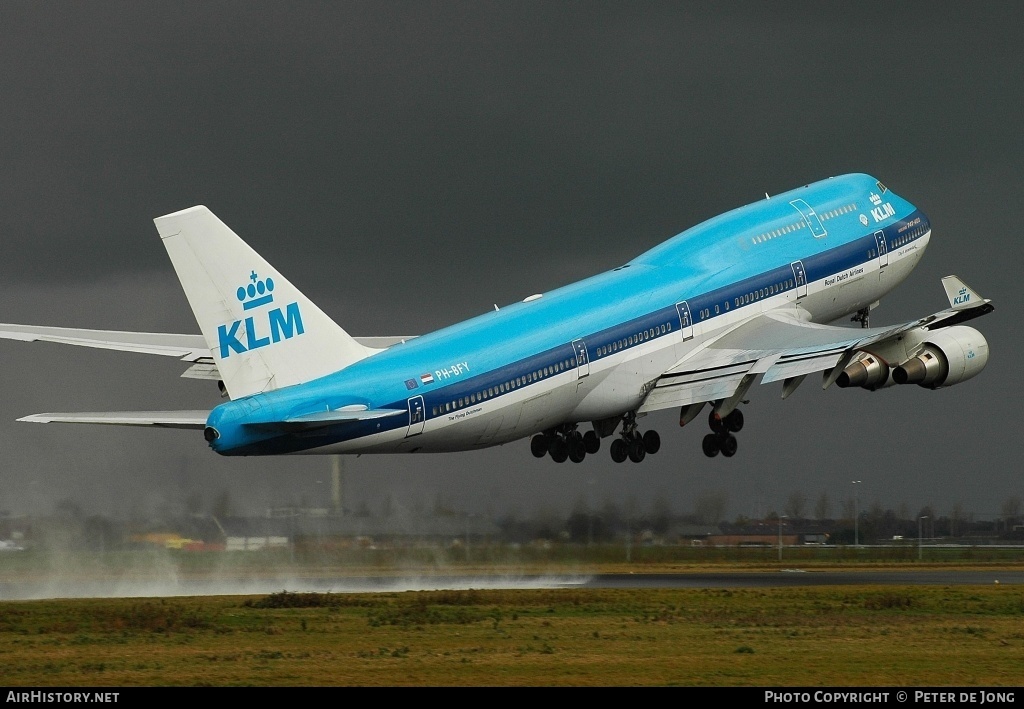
pixel 586 351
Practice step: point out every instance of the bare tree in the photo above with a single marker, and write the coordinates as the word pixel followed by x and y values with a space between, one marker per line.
pixel 823 507
pixel 849 509
pixel 796 505
pixel 661 512
pixel 710 507
pixel 221 507
pixel 956 519
pixel 1011 511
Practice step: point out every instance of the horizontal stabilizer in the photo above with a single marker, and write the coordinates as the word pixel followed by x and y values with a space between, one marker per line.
pixel 190 348
pixel 163 419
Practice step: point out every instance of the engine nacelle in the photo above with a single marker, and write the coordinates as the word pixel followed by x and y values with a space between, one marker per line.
pixel 947 357
pixel 868 371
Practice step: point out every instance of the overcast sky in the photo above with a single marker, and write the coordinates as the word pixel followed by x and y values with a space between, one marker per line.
pixel 408 165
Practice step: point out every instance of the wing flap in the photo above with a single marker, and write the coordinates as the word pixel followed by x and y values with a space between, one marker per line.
pixel 695 386
pixel 163 419
pixel 801 366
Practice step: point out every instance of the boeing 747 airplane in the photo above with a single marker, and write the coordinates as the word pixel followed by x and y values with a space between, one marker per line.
pixel 690 324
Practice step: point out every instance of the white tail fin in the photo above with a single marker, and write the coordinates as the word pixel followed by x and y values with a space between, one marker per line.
pixel 263 333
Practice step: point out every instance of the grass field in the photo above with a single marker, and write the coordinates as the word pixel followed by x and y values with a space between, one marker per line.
pixel 814 636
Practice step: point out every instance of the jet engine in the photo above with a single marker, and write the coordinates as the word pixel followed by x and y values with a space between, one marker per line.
pixel 947 356
pixel 868 371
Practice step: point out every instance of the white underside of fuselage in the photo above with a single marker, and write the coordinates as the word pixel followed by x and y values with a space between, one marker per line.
pixel 618 383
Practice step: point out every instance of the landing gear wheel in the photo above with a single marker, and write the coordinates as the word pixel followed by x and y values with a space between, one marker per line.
pixel 734 421
pixel 710 445
pixel 559 449
pixel 539 445
pixel 577 451
pixel 592 442
pixel 637 452
pixel 620 450
pixel 728 445
pixel 715 422
pixel 652 442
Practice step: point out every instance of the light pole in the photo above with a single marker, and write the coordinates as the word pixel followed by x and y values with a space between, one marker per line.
pixel 781 517
pixel 856 517
pixel 919 535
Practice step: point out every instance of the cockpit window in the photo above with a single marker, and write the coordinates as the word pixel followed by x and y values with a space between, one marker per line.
pixel 882 188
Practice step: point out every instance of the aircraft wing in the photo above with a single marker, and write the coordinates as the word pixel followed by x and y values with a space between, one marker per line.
pixel 163 419
pixel 188 348
pixel 784 344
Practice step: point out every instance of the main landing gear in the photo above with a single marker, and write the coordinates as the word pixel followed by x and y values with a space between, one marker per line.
pixel 565 443
pixel 721 440
pixel 632 444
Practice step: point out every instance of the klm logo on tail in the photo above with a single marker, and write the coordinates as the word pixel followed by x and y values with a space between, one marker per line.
pixel 961 297
pixel 281 324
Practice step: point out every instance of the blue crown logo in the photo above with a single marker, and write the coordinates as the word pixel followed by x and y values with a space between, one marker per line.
pixel 258 292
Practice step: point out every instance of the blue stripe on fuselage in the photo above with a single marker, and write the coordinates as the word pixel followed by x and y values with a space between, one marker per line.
pixel 709 265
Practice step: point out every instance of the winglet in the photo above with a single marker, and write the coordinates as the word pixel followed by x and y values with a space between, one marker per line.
pixel 961 295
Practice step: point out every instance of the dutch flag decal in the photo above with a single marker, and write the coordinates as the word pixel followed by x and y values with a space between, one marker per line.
pixel 427 378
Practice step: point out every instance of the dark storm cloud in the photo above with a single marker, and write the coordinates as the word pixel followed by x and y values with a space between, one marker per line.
pixel 411 164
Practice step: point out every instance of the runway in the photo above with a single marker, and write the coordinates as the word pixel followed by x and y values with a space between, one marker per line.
pixel 799 577
pixel 67 587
